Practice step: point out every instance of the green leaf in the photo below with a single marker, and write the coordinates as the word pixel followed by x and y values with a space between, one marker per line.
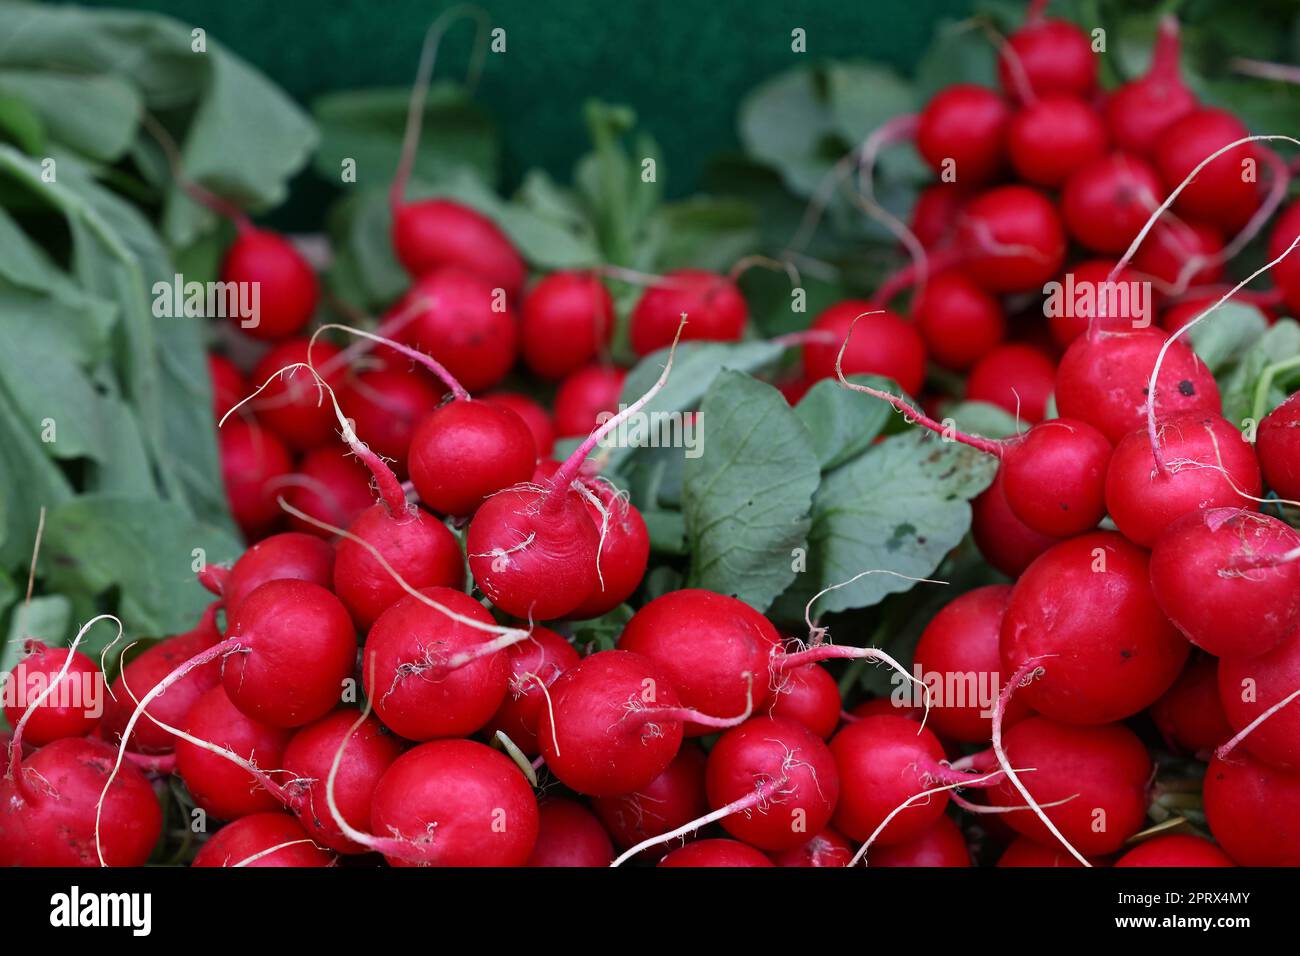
pixel 1252 388
pixel 1227 334
pixel 843 423
pixel 959 53
pixel 21 125
pixel 95 115
pixel 747 496
pixel 48 619
pixel 787 123
pixel 601 633
pixel 984 419
pixel 900 507
pixel 703 233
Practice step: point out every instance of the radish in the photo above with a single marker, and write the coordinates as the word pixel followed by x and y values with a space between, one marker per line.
pixel 532 414
pixel 1047 56
pixel 386 405
pixel 287 290
pixel 826 849
pixel 961 644
pixel 1286 274
pixel 962 134
pixel 624 550
pixel 1086 604
pixel 934 217
pixel 75 701
pixel 228 385
pixel 809 696
pixel 1054 477
pixel 1027 852
pixel 1219 194
pixel 141 672
pixel 219 786
pixel 569 835
pixel 960 322
pixel 885 345
pixel 1202 463
pixel 1098 774
pixel 1175 849
pixel 1253 810
pixel 290 403
pixel 1189 716
pixel 715 853
pixel 1278 444
pixel 262 839
pixel 1141 111
pixel 1011 238
pixel 1181 254
pixel 706 643
pixel 583 395
pixel 371 750
pixel 716 309
pixel 433 667
pixel 534 665
pixel 1220 576
pixel 1005 541
pixel 1103 379
pixel 1258 697
pixel 943 845
pixel 615 724
pixel 1017 378
pixel 1093 278
pixel 1052 137
pixel 288 556
pixel 253 462
pixel 454 803
pixel 566 322
pixel 329 486
pixel 667 802
pixel 1106 202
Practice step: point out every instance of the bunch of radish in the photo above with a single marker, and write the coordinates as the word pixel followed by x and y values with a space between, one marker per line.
pixel 389 671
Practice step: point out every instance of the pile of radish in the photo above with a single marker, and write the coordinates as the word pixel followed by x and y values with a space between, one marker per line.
pixel 389 672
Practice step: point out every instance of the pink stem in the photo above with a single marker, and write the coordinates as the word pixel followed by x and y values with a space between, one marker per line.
pixel 1167 52
pixel 1223 751
pixel 214 577
pixel 428 361
pixel 942 773
pixel 204 197
pixel 162 764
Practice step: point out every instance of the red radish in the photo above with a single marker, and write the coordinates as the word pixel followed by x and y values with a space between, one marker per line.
pixel 667 802
pixel 1027 852
pixel 1278 444
pixel 253 463
pixel 1120 306
pixel 1189 716
pixel 386 405
pixel 455 803
pixel 884 344
pixel 1253 810
pixel 288 556
pixel 1052 137
pixel 262 839
pixel 935 214
pixel 569 835
pixel 1286 274
pixel 943 845
pixel 960 322
pixel 228 385
pixel 1101 773
pixel 371 750
pixel 624 551
pixel 1017 378
pixel 1047 56
pixel 715 308
pixel 74 702
pixel 533 415
pixel 1005 541
pixel 1220 194
pixel 1175 849
pixel 566 322
pixel 615 725
pixel 218 785
pixel 1086 604
pixel 1218 576
pixel 957 656
pixel 287 290
pixel 461 321
pixel 962 134
pixel 808 695
pixel 142 672
pixel 330 486
pixel 1103 380
pixel 1258 697
pixel 1141 111
pixel 706 643
pixel 290 402
pixel 433 234
pixel 292 647
pixel 432 673
pixel 1106 202
pixel 779 768
pixel 827 848
pixel 1054 477
pixel 716 853
pixel 1182 254
pixel 468 450
pixel 1208 466
pixel 48 813
pixel 1012 239
pixel 534 665
pixel 583 395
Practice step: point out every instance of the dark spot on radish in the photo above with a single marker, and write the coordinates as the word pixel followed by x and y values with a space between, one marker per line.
pixel 1186 388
